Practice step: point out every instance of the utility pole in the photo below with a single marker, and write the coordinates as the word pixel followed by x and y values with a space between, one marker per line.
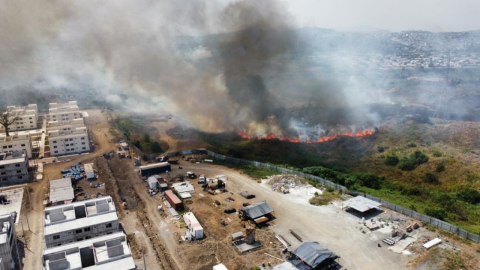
pixel 143 254
pixel 28 224
pixel 29 198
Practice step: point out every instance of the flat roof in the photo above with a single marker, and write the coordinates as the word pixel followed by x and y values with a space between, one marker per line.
pixel 154 165
pixel 80 223
pixel 12 157
pixel 109 252
pixel 60 183
pixel 361 204
pixel 15 197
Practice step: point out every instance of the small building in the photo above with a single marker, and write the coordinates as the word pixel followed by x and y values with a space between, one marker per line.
pixel 194 229
pixel 310 256
pixel 173 200
pixel 89 172
pixel 183 187
pixel 155 168
pixel 152 183
pixel 8 241
pixel 79 221
pixel 14 168
pixel 163 187
pixel 101 253
pixel 259 212
pixel 360 205
pixel 61 191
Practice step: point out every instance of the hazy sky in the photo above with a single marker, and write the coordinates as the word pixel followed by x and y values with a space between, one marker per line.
pixel 393 15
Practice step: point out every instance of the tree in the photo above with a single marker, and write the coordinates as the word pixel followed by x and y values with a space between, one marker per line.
pixel 391 160
pixel 469 195
pixel 430 178
pixel 155 147
pixel 6 119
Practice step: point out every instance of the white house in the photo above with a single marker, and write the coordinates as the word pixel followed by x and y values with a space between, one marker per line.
pixel 27 117
pixel 17 141
pixel 13 168
pixel 68 141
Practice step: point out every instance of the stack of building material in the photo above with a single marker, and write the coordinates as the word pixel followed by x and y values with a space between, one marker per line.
pixel 76 172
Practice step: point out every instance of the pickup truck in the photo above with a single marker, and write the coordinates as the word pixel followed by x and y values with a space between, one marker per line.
pixel 201 179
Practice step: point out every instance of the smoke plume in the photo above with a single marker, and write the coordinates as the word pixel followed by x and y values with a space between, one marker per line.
pixel 128 51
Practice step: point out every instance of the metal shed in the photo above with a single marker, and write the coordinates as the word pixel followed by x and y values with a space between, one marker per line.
pixel 361 204
pixel 257 210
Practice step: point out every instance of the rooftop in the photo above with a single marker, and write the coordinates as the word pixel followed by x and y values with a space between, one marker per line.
pixel 257 210
pixel 61 190
pixel 12 157
pixel 79 215
pixel 154 165
pixel 361 204
pixel 100 253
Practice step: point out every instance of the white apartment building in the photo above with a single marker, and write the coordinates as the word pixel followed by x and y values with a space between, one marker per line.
pixel 102 253
pixel 63 111
pixel 27 117
pixel 13 168
pixel 70 141
pixel 65 125
pixel 17 141
pixel 80 221
pixel 8 241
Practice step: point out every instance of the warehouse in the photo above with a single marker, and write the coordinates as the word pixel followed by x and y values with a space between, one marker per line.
pixel 155 168
pixel 310 256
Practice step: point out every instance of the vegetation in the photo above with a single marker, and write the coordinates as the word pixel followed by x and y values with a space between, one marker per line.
pixel 430 178
pixel 133 132
pixel 326 197
pixel 411 162
pixel 391 160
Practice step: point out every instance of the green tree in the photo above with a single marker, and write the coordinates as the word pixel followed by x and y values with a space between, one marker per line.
pixel 436 213
pixel 146 138
pixel 156 148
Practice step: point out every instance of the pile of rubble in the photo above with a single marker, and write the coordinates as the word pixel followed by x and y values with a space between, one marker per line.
pixel 283 183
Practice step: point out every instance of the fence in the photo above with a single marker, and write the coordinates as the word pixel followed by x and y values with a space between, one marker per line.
pixel 408 212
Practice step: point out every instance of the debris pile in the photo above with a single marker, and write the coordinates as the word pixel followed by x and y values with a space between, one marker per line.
pixel 283 183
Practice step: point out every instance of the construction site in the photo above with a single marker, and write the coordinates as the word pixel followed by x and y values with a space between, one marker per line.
pixel 195 214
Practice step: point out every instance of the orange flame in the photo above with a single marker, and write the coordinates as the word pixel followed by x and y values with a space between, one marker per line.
pixel 325 138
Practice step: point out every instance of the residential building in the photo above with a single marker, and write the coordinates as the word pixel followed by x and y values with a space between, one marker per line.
pixel 13 168
pixel 65 125
pixel 63 111
pixel 17 141
pixel 8 241
pixel 27 117
pixel 102 253
pixel 61 191
pixel 70 141
pixel 79 221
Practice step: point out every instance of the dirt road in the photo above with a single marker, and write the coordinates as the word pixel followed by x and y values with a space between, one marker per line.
pixel 330 226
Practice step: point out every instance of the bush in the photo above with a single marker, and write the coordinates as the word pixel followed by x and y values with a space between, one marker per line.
pixel 437 153
pixel 431 178
pixel 380 149
pixel 469 195
pixel 436 213
pixel 419 157
pixel 391 160
pixel 330 189
pixel 440 167
pixel 406 164
pixel 412 144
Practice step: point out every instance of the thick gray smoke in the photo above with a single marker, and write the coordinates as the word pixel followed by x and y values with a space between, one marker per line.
pixel 128 51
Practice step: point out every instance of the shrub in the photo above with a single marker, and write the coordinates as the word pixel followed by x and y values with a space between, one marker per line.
pixel 437 153
pixel 440 167
pixel 436 213
pixel 391 160
pixel 330 189
pixel 430 178
pixel 419 157
pixel 469 195
pixel 412 144
pixel 380 149
pixel 406 164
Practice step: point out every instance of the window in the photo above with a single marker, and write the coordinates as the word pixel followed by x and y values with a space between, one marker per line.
pixel 55 146
pixel 9 146
pixel 66 140
pixel 67 144
pixel 23 144
pixel 30 119
pixel 20 177
pixel 3 173
pixel 54 142
pixel 4 146
pixel 56 237
pixel 56 152
pixel 78 231
pixel 87 229
pixel 109 225
pixel 83 138
pixel 83 142
pixel 31 122
pixel 84 148
pixel 70 139
pixel 17 165
pixel 87 237
pixel 2 167
pixel 4 179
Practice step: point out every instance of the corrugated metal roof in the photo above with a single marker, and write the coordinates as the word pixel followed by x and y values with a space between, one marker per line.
pixel 361 204
pixel 314 254
pixel 257 210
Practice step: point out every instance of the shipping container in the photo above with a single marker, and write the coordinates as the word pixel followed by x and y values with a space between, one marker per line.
pixel 174 201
